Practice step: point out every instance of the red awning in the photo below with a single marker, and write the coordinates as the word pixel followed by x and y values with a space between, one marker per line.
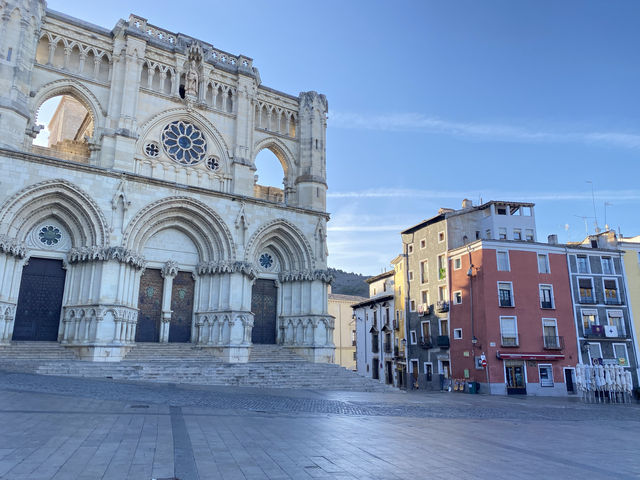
pixel 529 356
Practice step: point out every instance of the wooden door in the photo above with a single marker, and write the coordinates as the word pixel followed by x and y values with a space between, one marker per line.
pixel 39 300
pixel 149 306
pixel 182 307
pixel 264 308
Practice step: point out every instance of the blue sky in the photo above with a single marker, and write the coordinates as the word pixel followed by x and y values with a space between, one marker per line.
pixel 431 102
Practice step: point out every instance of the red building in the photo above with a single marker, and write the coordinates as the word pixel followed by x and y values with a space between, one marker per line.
pixel 511 302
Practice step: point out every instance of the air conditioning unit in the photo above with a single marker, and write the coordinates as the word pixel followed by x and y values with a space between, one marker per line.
pixel 610 331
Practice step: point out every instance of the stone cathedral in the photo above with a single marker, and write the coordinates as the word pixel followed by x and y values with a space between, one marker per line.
pixel 142 218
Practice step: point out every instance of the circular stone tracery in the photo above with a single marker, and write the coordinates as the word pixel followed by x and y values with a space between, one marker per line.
pixel 266 261
pixel 49 235
pixel 184 142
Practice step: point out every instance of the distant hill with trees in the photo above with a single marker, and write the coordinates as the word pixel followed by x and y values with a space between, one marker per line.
pixel 348 283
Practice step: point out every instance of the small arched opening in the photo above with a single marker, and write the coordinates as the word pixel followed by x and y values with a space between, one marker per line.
pixel 269 180
pixel 67 128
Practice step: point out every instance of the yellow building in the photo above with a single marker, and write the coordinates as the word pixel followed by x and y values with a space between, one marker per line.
pixel 399 280
pixel 344 332
pixel 631 259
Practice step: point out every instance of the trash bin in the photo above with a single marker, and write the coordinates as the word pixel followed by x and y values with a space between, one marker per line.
pixel 473 387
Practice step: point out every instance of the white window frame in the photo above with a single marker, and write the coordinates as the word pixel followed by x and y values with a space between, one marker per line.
pixel 457 263
pixel 515 320
pixel 613 267
pixel 441 236
pixel 422 323
pixel 445 297
pixel 593 289
pixel 626 352
pixel 440 326
pixel 427 297
pixel 455 330
pixel 623 331
pixel 413 337
pixel 411 363
pixel 411 275
pixel 604 293
pixel 550 367
pixel 513 299
pixel 487 234
pixel 578 265
pixel 502 233
pixel 424 366
pixel 553 299
pixel 506 252
pixel 555 324
pixel 582 314
pixel 442 260
pixel 547 264
pixel 455 299
pixel 412 305
pixel 589 350
pixel 517 232
pixel 529 236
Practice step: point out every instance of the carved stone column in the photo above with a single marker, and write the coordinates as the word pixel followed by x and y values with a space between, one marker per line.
pixel 169 272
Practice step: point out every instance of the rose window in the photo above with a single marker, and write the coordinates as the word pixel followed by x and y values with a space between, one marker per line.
pixel 266 260
pixel 184 142
pixel 213 164
pixel 151 149
pixel 49 235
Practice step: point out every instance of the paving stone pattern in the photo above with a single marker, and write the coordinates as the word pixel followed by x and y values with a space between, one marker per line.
pixel 70 428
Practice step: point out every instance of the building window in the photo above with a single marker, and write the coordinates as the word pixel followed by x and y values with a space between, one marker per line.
pixel 457 263
pixel 502 233
pixel 412 305
pixel 423 244
pixel 550 333
pixel 527 211
pixel 410 248
pixel 529 235
pixel 424 331
pixel 505 294
pixel 503 261
pixel 424 271
pixel 595 351
pixel 411 275
pixel 517 234
pixel 611 291
pixel 586 290
pixel 501 210
pixel 424 296
pixel 546 296
pixel 443 295
pixel 614 318
pixel 440 237
pixel 621 354
pixel 457 334
pixel 543 263
pixel 428 370
pixel 184 142
pixel 583 264
pixel 607 266
pixel 353 338
pixel 457 297
pixel 508 332
pixel 444 326
pixel 589 319
pixel 442 267
pixel 487 234
pixel 414 337
pixel 546 375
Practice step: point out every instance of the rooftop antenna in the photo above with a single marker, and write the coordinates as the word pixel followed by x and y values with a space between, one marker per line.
pixel 586 226
pixel 595 215
pixel 606 204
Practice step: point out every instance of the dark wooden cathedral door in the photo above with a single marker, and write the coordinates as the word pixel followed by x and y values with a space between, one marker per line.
pixel 39 300
pixel 263 306
pixel 182 307
pixel 149 306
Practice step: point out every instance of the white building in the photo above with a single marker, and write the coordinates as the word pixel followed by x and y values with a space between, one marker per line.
pixel 377 334
pixel 146 223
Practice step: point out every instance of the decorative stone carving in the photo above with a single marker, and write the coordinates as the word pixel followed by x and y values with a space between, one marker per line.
pixel 101 254
pixel 169 269
pixel 12 247
pixel 306 275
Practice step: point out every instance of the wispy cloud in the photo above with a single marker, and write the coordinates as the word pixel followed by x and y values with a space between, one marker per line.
pixel 420 122
pixel 619 195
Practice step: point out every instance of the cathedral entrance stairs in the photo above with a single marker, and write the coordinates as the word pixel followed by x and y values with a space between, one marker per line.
pixel 270 366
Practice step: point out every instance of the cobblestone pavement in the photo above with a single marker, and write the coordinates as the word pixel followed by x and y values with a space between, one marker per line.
pixel 67 428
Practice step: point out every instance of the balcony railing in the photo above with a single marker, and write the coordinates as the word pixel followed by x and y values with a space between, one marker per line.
pixel 612 301
pixel 442 306
pixel 546 305
pixel 442 341
pixel 387 348
pixel 510 340
pixel 553 342
pixel 590 299
pixel 426 343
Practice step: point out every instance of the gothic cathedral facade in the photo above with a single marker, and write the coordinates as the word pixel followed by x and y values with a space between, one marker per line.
pixel 142 219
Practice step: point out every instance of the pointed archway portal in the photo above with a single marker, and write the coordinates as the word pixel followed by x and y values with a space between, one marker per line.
pixel 149 306
pixel 263 306
pixel 40 300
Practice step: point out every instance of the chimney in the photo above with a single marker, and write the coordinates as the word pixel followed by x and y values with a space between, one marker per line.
pixel 466 203
pixel 552 239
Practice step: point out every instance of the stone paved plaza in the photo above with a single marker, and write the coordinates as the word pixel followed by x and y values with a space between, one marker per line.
pixel 67 428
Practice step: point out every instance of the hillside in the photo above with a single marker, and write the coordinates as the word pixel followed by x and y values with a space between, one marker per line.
pixel 348 283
